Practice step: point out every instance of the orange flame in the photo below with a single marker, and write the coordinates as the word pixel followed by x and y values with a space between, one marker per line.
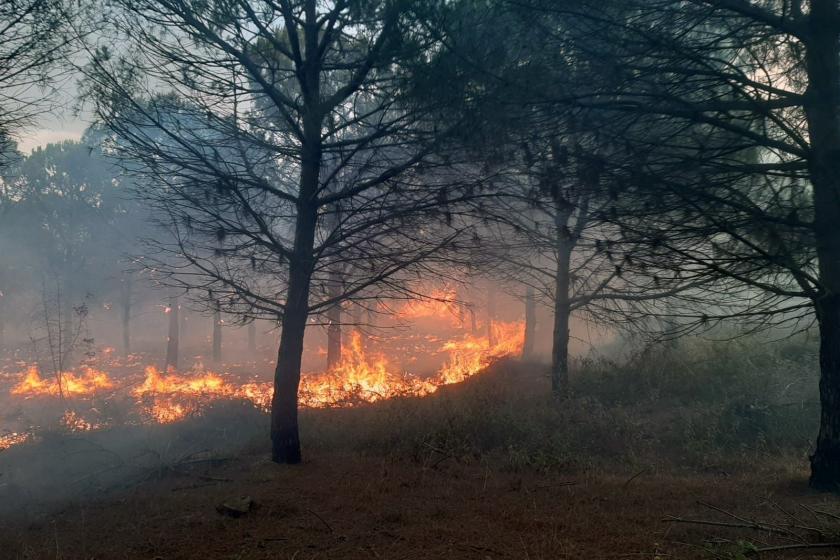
pixel 360 377
pixel 86 384
pixel 439 304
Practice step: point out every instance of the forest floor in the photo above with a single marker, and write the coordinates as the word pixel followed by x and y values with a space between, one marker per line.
pixel 404 480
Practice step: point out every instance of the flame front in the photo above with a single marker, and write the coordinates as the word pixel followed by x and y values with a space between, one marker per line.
pixel 361 376
pixel 87 383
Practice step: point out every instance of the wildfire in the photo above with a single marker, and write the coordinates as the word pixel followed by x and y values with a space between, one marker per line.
pixel 359 377
pixel 439 304
pixel 362 376
pixel 87 383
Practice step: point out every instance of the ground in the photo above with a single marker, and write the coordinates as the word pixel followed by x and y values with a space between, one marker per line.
pixel 449 476
pixel 335 506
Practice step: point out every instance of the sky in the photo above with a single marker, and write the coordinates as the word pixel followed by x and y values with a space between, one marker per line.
pixel 56 123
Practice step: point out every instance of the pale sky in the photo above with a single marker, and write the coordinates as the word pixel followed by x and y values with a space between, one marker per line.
pixel 57 123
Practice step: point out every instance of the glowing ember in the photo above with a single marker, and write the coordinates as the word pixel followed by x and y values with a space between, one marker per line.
pixel 68 384
pixel 75 423
pixel 13 438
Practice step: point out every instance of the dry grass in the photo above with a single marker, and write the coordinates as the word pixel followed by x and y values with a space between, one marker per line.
pixel 492 469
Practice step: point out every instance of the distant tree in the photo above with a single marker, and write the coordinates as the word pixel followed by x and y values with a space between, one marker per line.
pixel 34 37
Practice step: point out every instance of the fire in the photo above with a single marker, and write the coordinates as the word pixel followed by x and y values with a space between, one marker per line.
pixel 68 384
pixel 439 304
pixel 358 377
pixel 171 397
pixel 363 375
pixel 13 438
pixel 472 354
pixel 76 423
pixel 198 383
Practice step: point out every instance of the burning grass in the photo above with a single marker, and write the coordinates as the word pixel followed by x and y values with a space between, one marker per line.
pixel 364 375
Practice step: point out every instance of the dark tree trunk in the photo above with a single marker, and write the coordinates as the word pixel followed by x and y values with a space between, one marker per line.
pixel 2 324
pixel 217 334
pixel 126 315
pixel 822 109
pixel 562 302
pixel 530 324
pixel 285 436
pixel 252 338
pixel 491 313
pixel 334 321
pixel 560 340
pixel 173 340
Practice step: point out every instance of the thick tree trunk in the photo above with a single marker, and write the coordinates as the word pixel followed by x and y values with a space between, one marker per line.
pixel 530 324
pixel 217 334
pixel 285 436
pixel 822 109
pixel 173 340
pixel 126 315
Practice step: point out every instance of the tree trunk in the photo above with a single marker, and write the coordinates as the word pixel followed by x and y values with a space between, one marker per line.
pixel 333 336
pixel 126 315
pixel 252 338
pixel 530 324
pixel 491 314
pixel 285 436
pixel 2 324
pixel 173 340
pixel 562 303
pixel 560 340
pixel 822 109
pixel 334 318
pixel 217 334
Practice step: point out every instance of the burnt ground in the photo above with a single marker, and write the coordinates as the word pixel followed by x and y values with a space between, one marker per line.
pixel 405 480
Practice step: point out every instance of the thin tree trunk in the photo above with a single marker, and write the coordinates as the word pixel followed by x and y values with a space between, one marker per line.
pixel 822 109
pixel 173 340
pixel 217 333
pixel 491 314
pixel 252 337
pixel 126 315
pixel 562 303
pixel 334 312
pixel 2 324
pixel 560 340
pixel 530 324
pixel 333 336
